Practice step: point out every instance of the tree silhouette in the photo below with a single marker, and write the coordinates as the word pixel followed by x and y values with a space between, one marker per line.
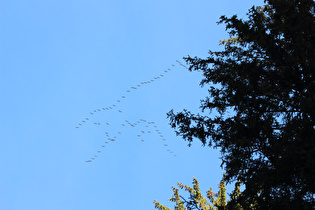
pixel 261 95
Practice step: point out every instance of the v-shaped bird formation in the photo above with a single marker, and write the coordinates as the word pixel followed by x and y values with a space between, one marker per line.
pixel 144 127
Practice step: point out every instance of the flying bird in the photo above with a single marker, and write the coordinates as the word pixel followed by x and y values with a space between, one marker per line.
pixel 146 124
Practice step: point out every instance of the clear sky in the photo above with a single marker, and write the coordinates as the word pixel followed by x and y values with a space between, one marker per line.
pixel 62 59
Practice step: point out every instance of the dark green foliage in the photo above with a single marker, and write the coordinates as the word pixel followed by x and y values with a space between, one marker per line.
pixel 265 75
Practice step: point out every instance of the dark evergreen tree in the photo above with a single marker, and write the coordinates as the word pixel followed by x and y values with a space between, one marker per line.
pixel 265 78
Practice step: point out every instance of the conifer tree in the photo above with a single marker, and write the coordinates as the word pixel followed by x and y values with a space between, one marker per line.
pixel 264 79
pixel 235 194
pixel 221 199
pixel 213 201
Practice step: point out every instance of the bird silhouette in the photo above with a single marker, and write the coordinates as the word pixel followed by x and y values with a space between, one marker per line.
pixel 150 126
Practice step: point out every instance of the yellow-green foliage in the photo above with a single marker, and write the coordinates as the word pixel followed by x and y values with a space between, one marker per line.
pixel 159 206
pixel 230 41
pixel 196 199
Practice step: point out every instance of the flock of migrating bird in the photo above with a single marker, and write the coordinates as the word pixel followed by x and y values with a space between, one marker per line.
pixel 149 127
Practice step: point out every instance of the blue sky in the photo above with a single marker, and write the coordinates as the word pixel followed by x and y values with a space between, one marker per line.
pixel 61 60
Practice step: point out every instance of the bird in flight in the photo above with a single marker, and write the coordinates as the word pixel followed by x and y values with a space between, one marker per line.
pixel 135 124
